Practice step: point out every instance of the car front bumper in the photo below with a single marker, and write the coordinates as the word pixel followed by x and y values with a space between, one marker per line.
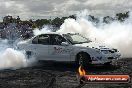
pixel 106 58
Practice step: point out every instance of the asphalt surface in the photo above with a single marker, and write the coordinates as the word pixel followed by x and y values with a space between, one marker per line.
pixel 60 75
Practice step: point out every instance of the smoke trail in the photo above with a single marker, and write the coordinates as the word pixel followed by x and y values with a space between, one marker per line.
pixel 115 34
pixel 11 58
pixel 45 29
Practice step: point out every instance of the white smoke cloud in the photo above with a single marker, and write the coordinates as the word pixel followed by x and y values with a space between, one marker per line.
pixel 11 58
pixel 115 34
pixel 45 29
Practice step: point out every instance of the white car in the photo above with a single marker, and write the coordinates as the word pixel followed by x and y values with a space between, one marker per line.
pixel 68 47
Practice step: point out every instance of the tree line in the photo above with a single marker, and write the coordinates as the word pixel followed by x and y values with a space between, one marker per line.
pixel 58 21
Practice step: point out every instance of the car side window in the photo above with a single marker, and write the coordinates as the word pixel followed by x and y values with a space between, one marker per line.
pixel 41 39
pixel 56 39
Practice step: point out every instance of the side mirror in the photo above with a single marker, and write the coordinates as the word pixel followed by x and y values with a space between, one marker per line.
pixel 64 43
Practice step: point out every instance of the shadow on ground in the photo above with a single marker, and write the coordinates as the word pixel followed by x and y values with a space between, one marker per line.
pixel 60 66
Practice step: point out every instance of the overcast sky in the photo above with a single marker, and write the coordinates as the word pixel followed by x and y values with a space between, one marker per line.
pixel 51 8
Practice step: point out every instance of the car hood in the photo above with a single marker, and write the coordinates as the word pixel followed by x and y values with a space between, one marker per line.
pixel 94 45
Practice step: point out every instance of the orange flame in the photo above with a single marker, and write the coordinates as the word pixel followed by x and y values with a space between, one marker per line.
pixel 81 71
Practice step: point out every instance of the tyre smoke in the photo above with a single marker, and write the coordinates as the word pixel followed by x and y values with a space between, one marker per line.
pixel 45 29
pixel 11 58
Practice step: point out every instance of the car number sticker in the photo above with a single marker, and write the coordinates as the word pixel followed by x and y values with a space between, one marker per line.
pixel 61 50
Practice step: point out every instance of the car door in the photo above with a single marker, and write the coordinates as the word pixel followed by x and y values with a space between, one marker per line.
pixel 57 51
pixel 40 45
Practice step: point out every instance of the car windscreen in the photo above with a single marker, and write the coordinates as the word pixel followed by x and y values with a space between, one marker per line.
pixel 76 38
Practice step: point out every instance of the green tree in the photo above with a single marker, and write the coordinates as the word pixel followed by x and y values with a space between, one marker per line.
pixel 57 22
pixel 122 16
pixel 40 22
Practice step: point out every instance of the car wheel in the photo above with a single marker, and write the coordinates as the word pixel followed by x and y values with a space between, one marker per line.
pixel 83 59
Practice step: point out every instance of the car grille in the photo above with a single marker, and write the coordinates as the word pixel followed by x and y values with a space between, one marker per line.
pixel 111 51
pixel 107 51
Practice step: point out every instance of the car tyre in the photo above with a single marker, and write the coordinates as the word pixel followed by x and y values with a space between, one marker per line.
pixel 83 59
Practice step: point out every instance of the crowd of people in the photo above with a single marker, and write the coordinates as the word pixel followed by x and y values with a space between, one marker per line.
pixel 13 28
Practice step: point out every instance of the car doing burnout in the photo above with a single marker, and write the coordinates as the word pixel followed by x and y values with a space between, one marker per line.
pixel 68 47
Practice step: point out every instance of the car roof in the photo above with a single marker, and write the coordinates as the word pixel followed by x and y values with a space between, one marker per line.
pixel 55 33
pixel 51 33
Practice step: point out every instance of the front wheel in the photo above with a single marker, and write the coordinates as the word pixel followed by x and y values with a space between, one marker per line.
pixel 83 59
